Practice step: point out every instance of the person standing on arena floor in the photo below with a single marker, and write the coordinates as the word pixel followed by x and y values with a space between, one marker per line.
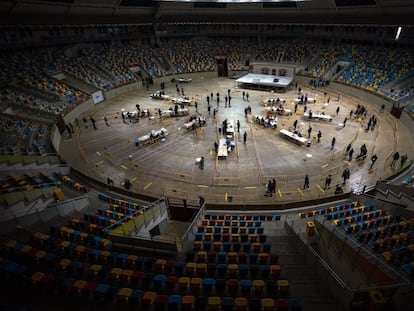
pixel 373 160
pixel 295 124
pixel 247 96
pixel 274 185
pixel 306 183
pixel 403 160
pixel 93 123
pixel 328 182
pixel 333 143
pixel 337 110
pixel 348 148
pixel 238 126
pixel 269 189
pixel 201 164
pixel 345 175
pixel 244 137
pixel 309 131
pixel 350 153
pixel 395 158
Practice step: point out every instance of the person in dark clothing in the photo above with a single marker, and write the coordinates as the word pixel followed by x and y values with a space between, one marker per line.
pixel 350 153
pixel 216 147
pixel 333 143
pixel 338 189
pixel 404 159
pixel 201 165
pixel 127 184
pixel 328 181
pixel 269 189
pixel 319 136
pixel 306 183
pixel 295 124
pixel 395 158
pixel 238 126
pixel 274 185
pixel 244 137
pixel 348 148
pixel 373 160
pixel 93 123
pixel 345 175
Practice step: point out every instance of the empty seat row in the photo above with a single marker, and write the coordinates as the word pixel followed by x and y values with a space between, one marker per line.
pixel 234 257
pixel 232 246
pixel 231 237
pixel 229 229
pixel 241 217
pixel 231 223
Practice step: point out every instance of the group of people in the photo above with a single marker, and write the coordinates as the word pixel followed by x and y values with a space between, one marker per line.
pixel 396 156
pixel 270 187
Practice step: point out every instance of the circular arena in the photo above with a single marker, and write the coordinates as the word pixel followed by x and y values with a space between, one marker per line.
pixel 206 155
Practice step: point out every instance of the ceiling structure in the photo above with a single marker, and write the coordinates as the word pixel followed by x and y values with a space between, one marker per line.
pixel 383 12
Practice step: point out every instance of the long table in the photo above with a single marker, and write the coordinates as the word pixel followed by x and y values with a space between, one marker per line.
pixel 171 113
pixel 293 137
pixel 197 122
pixel 271 122
pixel 222 149
pixel 230 128
pixel 182 101
pixel 278 110
pixel 318 116
pixel 273 101
pixel 153 135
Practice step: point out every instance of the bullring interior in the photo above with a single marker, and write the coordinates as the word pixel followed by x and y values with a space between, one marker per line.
pixel 139 138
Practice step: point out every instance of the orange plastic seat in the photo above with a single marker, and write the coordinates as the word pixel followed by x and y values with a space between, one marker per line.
pixel 241 304
pixel 187 303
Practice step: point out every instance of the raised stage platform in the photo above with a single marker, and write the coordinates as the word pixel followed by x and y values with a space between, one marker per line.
pixel 264 82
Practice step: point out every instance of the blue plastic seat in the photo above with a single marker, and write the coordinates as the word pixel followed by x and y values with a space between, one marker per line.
pixel 245 286
pixel 227 303
pixel 174 301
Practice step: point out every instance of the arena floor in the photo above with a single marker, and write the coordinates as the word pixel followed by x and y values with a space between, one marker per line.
pixel 169 167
